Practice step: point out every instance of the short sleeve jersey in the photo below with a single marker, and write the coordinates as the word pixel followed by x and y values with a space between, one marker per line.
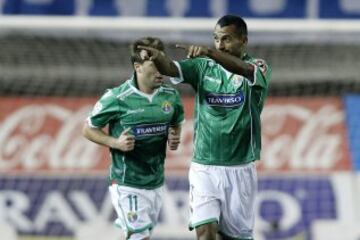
pixel 227 110
pixel 149 117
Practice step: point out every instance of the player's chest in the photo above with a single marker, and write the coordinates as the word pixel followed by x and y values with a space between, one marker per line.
pixel 218 80
pixel 138 109
pixel 223 90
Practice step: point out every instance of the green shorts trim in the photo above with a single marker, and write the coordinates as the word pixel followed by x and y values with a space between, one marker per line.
pixel 137 230
pixel 195 225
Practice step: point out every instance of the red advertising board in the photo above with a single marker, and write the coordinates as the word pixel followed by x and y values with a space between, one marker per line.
pixel 304 135
pixel 43 135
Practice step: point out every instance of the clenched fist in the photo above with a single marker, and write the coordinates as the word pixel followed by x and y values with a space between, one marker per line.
pixel 125 142
pixel 174 138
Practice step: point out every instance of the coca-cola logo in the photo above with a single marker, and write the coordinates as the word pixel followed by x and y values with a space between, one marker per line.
pixel 46 136
pixel 297 135
pixel 304 136
pixel 36 136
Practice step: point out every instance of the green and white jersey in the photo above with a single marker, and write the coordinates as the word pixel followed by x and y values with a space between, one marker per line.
pixel 227 110
pixel 149 117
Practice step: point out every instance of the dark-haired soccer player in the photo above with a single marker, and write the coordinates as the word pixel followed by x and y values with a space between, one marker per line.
pixel 231 87
pixel 143 116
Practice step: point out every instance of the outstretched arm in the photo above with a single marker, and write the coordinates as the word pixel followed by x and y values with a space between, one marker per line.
pixel 163 63
pixel 229 62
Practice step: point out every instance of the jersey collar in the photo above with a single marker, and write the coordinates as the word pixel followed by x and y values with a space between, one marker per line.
pixel 133 84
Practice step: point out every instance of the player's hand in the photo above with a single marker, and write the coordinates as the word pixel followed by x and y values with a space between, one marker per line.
pixel 125 142
pixel 194 50
pixel 149 53
pixel 173 139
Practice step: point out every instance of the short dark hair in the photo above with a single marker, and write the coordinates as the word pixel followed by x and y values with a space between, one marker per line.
pixel 237 21
pixel 145 41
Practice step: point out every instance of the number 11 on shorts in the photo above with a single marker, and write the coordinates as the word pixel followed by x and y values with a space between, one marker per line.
pixel 133 203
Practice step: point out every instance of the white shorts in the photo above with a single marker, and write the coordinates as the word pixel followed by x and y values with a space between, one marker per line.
pixel 226 195
pixel 137 209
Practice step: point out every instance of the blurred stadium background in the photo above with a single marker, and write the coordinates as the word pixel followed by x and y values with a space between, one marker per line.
pixel 58 56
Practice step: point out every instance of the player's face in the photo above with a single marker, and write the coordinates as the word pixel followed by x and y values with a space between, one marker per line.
pixel 226 40
pixel 151 75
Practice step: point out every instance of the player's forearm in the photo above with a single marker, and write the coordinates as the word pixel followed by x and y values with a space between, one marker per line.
pixel 166 66
pixel 232 64
pixel 98 136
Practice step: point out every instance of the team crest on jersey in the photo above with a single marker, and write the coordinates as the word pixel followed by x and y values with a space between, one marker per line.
pixel 166 107
pixel 150 129
pixel 132 216
pixel 225 100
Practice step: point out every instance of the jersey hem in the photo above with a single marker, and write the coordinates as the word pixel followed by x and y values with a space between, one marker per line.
pixel 206 162
pixel 135 186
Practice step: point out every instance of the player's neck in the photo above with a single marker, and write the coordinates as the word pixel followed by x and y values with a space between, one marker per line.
pixel 142 87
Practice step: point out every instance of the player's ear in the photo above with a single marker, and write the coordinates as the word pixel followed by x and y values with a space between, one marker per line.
pixel 137 67
pixel 244 39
